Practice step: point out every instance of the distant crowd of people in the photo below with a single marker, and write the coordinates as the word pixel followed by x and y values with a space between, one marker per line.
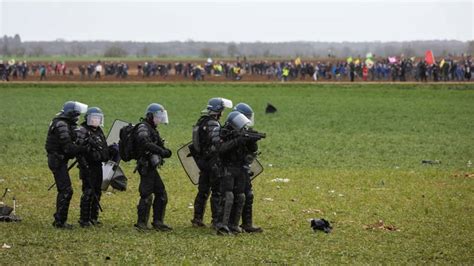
pixel 383 69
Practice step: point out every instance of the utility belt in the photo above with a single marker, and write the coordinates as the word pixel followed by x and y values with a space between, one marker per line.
pixel 149 161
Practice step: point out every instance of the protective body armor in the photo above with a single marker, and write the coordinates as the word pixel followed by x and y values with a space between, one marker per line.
pixel 95 140
pixel 206 135
pixel 148 141
pixel 61 137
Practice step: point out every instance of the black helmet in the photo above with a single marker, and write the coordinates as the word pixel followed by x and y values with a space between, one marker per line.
pixel 246 110
pixel 94 117
pixel 157 113
pixel 217 105
pixel 237 120
pixel 72 110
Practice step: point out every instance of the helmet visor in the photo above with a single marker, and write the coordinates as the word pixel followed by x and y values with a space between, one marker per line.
pixel 80 107
pixel 95 120
pixel 226 103
pixel 160 117
pixel 239 121
pixel 251 119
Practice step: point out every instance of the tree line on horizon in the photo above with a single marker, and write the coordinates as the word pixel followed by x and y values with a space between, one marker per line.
pixel 14 46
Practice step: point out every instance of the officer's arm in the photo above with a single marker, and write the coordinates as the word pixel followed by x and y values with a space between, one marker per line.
pixel 69 147
pixel 144 140
pixel 252 146
pixel 220 146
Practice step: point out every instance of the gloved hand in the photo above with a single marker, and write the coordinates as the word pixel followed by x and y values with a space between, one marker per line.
pixel 165 153
pixel 114 152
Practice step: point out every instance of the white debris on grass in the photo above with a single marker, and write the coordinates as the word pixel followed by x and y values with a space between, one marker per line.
pixel 283 180
pixel 108 193
pixel 268 199
pixel 469 163
pixel 190 206
pixel 341 195
pixel 2 180
pixel 317 187
pixel 6 246
pixel 332 191
pixel 270 165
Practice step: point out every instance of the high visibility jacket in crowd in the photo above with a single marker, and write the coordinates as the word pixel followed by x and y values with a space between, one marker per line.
pixel 286 72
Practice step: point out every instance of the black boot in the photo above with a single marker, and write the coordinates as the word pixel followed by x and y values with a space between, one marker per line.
pixel 62 225
pixel 226 207
pixel 85 213
pixel 215 198
pixel 95 210
pixel 159 209
pixel 199 209
pixel 143 211
pixel 239 202
pixel 247 222
pixel 62 208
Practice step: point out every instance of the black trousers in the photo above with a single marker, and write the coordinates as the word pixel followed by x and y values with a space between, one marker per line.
pixel 58 167
pixel 151 184
pixel 208 184
pixel 91 185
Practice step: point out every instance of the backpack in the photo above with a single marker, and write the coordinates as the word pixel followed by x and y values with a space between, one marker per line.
pixel 127 149
pixel 197 133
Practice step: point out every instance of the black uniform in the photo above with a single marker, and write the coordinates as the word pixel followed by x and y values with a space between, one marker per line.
pixel 151 150
pixel 236 154
pixel 207 129
pixel 60 147
pixel 90 171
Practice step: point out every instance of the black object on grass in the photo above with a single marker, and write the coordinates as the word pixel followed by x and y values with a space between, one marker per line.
pixel 321 224
pixel 270 109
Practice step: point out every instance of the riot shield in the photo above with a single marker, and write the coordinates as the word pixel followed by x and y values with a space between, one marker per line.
pixel 108 170
pixel 111 170
pixel 188 163
pixel 113 176
pixel 256 169
pixel 192 170
pixel 114 132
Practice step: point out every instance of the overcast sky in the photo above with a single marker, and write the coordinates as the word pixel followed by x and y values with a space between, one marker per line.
pixel 239 21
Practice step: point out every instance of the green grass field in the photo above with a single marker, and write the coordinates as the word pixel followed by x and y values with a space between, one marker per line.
pixel 352 153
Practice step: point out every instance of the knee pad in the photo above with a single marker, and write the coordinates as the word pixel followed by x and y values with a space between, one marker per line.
pixel 240 198
pixel 203 195
pixel 67 193
pixel 148 199
pixel 164 197
pixel 88 192
pixel 229 196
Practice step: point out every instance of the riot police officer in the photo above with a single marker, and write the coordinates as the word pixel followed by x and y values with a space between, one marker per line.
pixel 247 213
pixel 60 147
pixel 151 151
pixel 206 136
pixel 90 134
pixel 234 150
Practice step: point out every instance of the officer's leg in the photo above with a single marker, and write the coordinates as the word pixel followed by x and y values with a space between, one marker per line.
pixel 215 198
pixel 159 204
pixel 63 184
pixel 226 203
pixel 239 200
pixel 97 184
pixel 247 212
pixel 201 200
pixel 146 198
pixel 86 200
